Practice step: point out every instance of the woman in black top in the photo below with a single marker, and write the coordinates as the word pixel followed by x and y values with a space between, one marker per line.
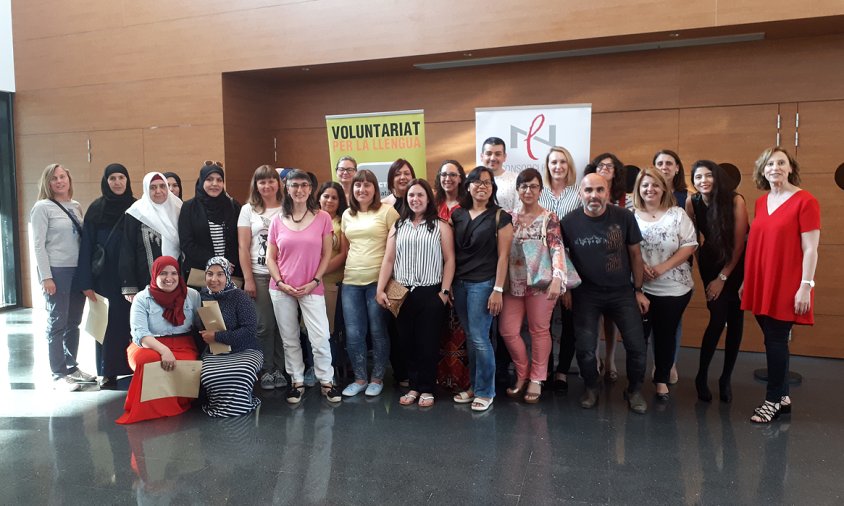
pixel 482 236
pixel 208 222
pixel 720 215
pixel 104 229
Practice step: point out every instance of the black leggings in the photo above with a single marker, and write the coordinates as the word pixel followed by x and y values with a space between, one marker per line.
pixel 566 340
pixel 664 316
pixel 776 334
pixel 725 310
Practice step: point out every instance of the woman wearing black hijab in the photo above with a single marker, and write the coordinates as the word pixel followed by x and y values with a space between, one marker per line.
pixel 208 222
pixel 174 182
pixel 102 236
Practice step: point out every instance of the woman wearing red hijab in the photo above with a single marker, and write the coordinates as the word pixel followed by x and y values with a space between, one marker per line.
pixel 160 320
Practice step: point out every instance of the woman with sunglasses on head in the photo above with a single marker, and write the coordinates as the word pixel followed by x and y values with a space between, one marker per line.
pixel 561 195
pixel 668 240
pixel 537 269
pixel 299 248
pixel 483 233
pixel 208 222
pixel 720 215
pixel 102 236
pixel 608 166
pixel 779 278
pixel 161 321
pixel 228 378
pixel 253 226
pixel 420 257
pixel 366 225
pixel 151 230
pixel 56 234
pixel 332 200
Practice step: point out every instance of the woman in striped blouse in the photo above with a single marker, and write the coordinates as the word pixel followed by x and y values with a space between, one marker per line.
pixel 420 256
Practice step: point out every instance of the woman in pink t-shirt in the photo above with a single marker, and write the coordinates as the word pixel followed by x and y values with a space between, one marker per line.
pixel 298 250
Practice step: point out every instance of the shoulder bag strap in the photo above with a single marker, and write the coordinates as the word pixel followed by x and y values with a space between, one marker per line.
pixel 69 215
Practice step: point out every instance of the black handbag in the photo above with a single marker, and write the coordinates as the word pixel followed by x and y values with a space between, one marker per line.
pixel 98 257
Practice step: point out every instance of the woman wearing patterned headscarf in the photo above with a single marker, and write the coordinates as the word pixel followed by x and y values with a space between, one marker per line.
pixel 228 377
pixel 208 222
pixel 150 231
pixel 103 234
pixel 161 322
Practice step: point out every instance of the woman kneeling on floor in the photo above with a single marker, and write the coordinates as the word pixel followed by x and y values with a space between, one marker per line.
pixel 161 322
pixel 228 377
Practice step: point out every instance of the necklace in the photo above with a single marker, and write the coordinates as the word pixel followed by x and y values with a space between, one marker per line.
pixel 294 220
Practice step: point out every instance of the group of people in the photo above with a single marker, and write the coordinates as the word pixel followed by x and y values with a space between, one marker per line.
pixel 440 281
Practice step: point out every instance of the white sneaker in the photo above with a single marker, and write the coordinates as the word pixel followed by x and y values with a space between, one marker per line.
pixel 81 376
pixel 65 384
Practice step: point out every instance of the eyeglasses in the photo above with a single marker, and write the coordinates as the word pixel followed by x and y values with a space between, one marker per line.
pixel 483 183
pixel 605 166
pixel 297 186
pixel 212 162
pixel 446 175
pixel 346 170
pixel 529 187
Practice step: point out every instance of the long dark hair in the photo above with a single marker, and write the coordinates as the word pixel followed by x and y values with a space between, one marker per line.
pixel 287 202
pixel 619 177
pixel 342 204
pixel 440 195
pixel 395 167
pixel 720 215
pixel 429 215
pixel 466 201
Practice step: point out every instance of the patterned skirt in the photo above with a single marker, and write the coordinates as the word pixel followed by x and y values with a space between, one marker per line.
pixel 453 368
pixel 228 380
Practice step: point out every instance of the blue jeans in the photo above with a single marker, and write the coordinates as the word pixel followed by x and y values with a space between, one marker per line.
pixel 470 300
pixel 64 315
pixel 618 305
pixel 355 298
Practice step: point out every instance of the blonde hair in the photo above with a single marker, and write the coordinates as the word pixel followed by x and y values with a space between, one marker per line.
pixel 571 177
pixel 667 200
pixel 44 190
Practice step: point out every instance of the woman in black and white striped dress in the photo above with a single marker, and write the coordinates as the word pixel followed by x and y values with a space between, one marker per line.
pixel 228 377
pixel 420 256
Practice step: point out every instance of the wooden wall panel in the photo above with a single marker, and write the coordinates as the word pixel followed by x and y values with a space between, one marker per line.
pixel 183 149
pixel 634 136
pixel 449 141
pixel 821 126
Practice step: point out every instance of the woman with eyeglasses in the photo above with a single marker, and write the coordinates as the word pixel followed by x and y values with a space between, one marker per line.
pixel 537 268
pixel 366 225
pixel 561 195
pixel 253 226
pixel 720 215
pixel 208 222
pixel 346 169
pixel 299 248
pixel 483 233
pixel 608 166
pixel 668 240
pixel 449 187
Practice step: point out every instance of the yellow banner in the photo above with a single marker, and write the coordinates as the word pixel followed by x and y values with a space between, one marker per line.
pixel 376 140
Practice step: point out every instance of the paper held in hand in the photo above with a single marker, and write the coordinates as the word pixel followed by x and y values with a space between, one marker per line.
pixel 97 320
pixel 212 319
pixel 182 381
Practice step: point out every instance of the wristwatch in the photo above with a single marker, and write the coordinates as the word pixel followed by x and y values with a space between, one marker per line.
pixel 445 292
pixel 722 276
pixel 638 289
pixel 317 281
pixel 809 282
pixel 498 289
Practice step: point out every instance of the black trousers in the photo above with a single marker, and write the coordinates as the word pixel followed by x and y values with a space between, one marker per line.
pixel 566 353
pixel 776 334
pixel 419 325
pixel 663 318
pixel 725 310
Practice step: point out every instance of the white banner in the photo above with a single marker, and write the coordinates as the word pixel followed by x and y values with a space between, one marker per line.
pixel 530 131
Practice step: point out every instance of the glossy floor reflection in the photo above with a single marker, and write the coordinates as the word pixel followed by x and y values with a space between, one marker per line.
pixel 64 448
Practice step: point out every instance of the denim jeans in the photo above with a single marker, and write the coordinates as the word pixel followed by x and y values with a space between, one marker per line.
pixel 64 315
pixel 470 300
pixel 618 305
pixel 362 312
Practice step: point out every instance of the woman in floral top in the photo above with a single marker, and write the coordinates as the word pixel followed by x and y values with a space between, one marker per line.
pixel 668 240
pixel 537 269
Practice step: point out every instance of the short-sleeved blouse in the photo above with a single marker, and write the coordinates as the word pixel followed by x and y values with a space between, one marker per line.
pixel 532 233
pixel 660 241
pixel 773 267
pixel 300 251
pixel 476 243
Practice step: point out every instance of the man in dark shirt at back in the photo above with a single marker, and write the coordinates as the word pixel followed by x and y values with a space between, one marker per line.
pixel 603 242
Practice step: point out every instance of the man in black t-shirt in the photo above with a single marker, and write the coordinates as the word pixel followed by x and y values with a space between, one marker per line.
pixel 603 242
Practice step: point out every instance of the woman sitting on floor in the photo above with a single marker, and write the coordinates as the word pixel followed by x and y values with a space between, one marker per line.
pixel 161 320
pixel 228 377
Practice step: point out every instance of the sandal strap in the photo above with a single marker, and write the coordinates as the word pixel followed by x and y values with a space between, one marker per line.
pixel 768 411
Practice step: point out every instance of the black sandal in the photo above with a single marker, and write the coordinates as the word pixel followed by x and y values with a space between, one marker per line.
pixel 785 405
pixel 766 413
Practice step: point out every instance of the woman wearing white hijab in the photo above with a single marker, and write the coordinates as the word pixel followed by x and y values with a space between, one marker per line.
pixel 151 230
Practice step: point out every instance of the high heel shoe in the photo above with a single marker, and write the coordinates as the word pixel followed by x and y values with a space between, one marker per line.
pixel 725 391
pixel 785 405
pixel 766 413
pixel 703 392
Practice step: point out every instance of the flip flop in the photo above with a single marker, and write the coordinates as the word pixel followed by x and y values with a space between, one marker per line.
pixel 426 401
pixel 408 399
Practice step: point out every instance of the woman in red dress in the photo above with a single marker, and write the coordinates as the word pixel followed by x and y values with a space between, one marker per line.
pixel 161 323
pixel 782 253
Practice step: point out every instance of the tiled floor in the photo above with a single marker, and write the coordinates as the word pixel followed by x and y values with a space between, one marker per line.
pixel 64 448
